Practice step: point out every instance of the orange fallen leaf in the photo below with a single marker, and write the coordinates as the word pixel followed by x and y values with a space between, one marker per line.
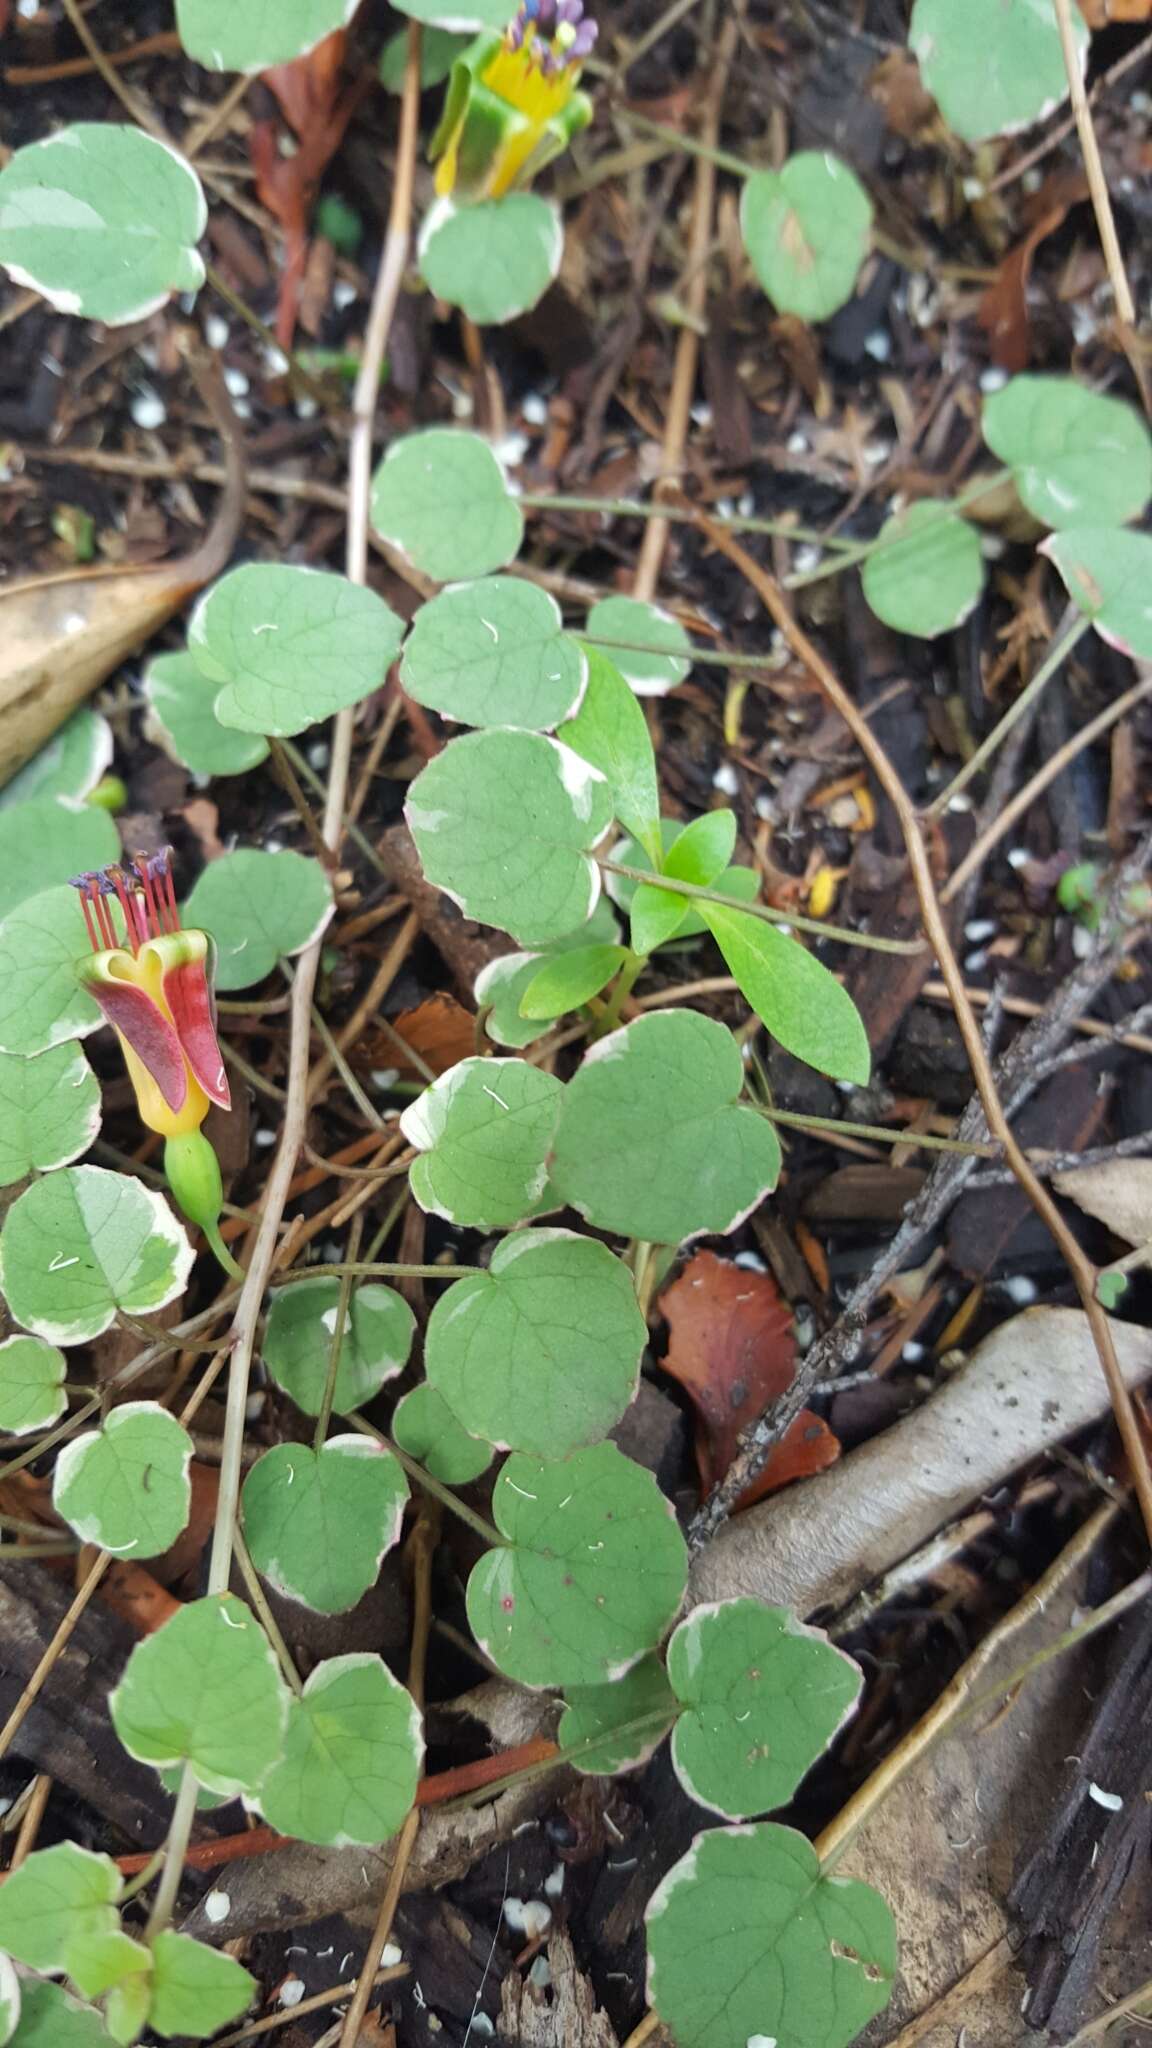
pixel 732 1350
pixel 1003 310
pixel 440 1031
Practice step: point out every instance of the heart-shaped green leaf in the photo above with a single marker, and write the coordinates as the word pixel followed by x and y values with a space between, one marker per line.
pixel 195 1990
pixel 81 1244
pixel 611 731
pixel 762 1697
pixel 319 1522
pixel 654 653
pixel 51 2018
pixel 1108 573
pixel 523 866
pixel 184 721
pixel 484 1130
pixel 262 33
pixel 287 646
pixel 49 1111
pixel 494 653
pixel 802 1004
pixel 496 258
pixel 205 1689
pixel 351 1759
pixel 31 1385
pixel 542 1352
pixel 626 1721
pixel 126 1486
pixel 442 499
pixel 1078 458
pixel 41 1001
pixel 57 1898
pixel 48 841
pixel 259 907
pixel 425 1427
pixel 927 572
pixel 992 66
pixel 301 1324
pixel 70 765
pixel 652 1142
pixel 807 229
pixel 593 1571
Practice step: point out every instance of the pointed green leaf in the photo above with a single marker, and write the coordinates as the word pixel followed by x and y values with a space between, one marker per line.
pixel 184 722
pixel 541 1352
pixel 287 646
pixel 259 907
pixel 501 984
pixel 83 1243
pixel 652 1141
pixel 31 1385
pixel 376 1342
pixel 739 882
pixel 611 732
pixel 255 37
pixel 762 1697
pixel 1108 573
pixel 126 1486
pixel 57 1897
pixel 570 980
pixel 484 1131
pixel 41 1001
pixel 1078 458
pixel 628 1720
pixel 748 1941
pixel 103 221
pixel 494 653
pixel 495 258
pixel 48 840
pixel 352 1757
pixel 523 866
pixel 701 852
pixel 992 66
pixel 425 1427
pixel 69 766
pixel 49 1111
pixel 802 1004
pixel 195 1990
pixel 593 1571
pixel 206 1690
pixel 657 916
pixel 927 573
pixel 319 1522
pixel 442 498
pixel 49 2018
pixel 654 652
pixel 807 229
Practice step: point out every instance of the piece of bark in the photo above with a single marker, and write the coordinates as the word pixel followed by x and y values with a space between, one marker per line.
pixel 67 1731
pixel 564 2016
pixel 464 947
pixel 991 1226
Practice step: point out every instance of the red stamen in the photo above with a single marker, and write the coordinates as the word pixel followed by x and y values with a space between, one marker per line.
pixel 126 905
pixel 153 919
pixel 170 889
pixel 86 906
pixel 104 919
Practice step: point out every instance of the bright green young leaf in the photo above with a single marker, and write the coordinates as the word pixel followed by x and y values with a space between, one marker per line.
pixel 69 766
pixel 652 1141
pixel 254 37
pixel 195 1989
pixel 9 2000
pixel 927 572
pixel 287 646
pixel 301 1323
pixel 542 1352
pixel 701 852
pixel 126 1486
pixel 183 700
pixel 351 1759
pixel 762 1698
pixel 1108 573
pixel 31 1385
pixel 205 1689
pixel 992 66
pixel 48 841
pixel 592 1573
pixel 49 1111
pixel 319 1522
pixel 657 916
pixel 81 1244
pixel 655 652
pixel 41 1001
pixel 739 882
pixel 439 49
pixel 56 1898
pixel 50 2018
pixel 611 731
pixel 425 1427
pixel 522 865
pixel 258 907
pixel 102 220
pixel 802 1004
pixel 98 1961
pixel 484 1130
pixel 496 258
pixel 458 14
pixel 500 985
pixel 1077 457
pixel 442 499
pixel 126 2006
pixel 1111 1289
pixel 494 653
pixel 807 229
pixel 748 1941
pixel 570 980
pixel 632 1716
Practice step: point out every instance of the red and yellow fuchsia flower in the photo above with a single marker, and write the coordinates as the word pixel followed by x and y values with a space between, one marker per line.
pixel 154 986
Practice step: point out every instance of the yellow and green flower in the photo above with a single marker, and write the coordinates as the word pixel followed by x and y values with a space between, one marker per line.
pixel 512 103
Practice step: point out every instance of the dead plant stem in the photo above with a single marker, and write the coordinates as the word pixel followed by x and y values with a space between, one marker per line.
pixel 1094 169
